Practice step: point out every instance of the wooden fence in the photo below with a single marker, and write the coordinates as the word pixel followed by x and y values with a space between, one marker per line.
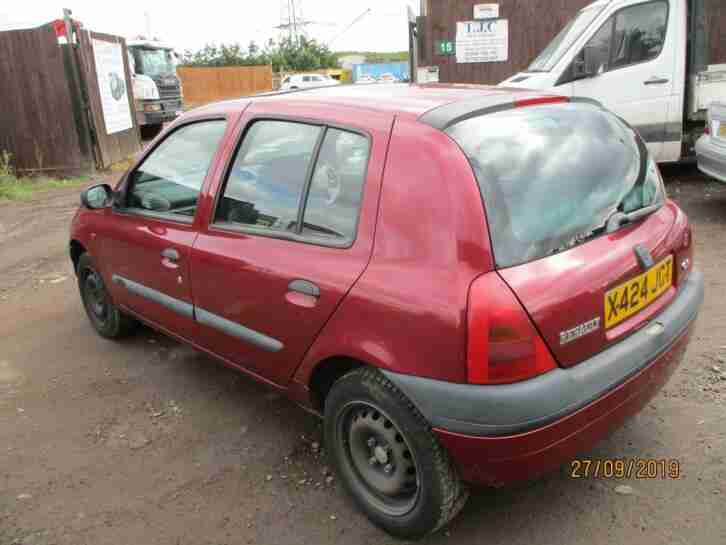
pixel 210 84
pixel 37 121
pixel 532 25
pixel 51 112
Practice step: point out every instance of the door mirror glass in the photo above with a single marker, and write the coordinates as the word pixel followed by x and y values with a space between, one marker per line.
pixel 97 197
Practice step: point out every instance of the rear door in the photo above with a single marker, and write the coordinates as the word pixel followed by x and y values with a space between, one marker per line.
pixel 291 232
pixel 145 249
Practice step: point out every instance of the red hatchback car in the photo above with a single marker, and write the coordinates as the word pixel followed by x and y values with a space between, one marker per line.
pixel 469 284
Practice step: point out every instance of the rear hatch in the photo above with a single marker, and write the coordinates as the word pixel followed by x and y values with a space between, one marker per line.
pixel 717 118
pixel 580 226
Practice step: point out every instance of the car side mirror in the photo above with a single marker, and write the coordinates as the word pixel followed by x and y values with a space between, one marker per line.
pixel 97 197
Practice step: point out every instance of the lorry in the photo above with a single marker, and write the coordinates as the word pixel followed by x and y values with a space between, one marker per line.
pixel 156 86
pixel 647 60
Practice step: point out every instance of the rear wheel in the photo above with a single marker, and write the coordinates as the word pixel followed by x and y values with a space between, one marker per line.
pixel 388 458
pixel 105 317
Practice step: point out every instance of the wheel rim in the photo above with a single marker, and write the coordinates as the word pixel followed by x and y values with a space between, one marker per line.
pixel 95 297
pixel 379 457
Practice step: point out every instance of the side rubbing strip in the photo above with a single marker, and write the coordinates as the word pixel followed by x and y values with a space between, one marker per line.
pixel 180 307
pixel 236 330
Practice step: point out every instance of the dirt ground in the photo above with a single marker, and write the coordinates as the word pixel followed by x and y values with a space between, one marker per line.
pixel 148 442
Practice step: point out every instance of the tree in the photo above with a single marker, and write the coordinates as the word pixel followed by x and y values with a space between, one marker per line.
pixel 288 55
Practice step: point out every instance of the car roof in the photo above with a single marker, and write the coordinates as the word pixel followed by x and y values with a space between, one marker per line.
pixel 436 104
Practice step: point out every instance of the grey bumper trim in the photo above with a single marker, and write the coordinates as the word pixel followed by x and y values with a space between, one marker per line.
pixel 175 305
pixel 513 408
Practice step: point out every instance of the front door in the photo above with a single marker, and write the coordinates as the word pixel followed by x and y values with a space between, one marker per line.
pixel 291 233
pixel 146 248
pixel 633 57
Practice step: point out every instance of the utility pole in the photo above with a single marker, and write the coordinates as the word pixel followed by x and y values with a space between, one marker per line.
pixel 412 45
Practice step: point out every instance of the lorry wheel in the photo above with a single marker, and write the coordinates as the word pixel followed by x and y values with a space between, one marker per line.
pixel 105 317
pixel 388 458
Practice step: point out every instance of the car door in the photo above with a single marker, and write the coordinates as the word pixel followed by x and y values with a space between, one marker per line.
pixel 292 231
pixel 145 248
pixel 632 57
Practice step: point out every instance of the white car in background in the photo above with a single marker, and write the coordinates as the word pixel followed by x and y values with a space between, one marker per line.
pixel 306 81
pixel 366 79
pixel 711 147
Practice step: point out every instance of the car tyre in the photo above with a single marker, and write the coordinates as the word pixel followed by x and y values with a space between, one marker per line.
pixel 105 317
pixel 388 458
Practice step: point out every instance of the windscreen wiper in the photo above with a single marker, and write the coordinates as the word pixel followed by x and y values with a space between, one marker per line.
pixel 618 218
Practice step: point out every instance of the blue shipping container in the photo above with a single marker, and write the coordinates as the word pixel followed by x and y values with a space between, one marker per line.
pixel 398 69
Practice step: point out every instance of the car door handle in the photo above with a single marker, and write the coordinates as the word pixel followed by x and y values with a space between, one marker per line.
pixel 302 293
pixel 656 81
pixel 171 255
pixel 305 287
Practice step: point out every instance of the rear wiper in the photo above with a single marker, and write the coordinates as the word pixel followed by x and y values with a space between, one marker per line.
pixel 618 218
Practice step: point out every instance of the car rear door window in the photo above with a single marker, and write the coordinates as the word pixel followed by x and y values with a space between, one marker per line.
pixel 169 180
pixel 336 186
pixel 285 171
pixel 265 185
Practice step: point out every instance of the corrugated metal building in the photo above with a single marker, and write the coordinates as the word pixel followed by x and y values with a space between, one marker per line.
pixel 532 25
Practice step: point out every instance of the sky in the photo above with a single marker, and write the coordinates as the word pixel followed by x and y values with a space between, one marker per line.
pixel 383 29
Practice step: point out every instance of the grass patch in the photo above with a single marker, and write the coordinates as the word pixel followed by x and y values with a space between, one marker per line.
pixel 22 189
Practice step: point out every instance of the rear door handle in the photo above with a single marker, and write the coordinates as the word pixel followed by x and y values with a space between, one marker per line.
pixel 656 81
pixel 170 254
pixel 305 287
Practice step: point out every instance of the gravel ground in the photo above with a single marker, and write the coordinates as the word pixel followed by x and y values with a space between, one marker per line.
pixel 149 442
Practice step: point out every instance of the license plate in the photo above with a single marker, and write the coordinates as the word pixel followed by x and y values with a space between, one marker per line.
pixel 722 131
pixel 637 293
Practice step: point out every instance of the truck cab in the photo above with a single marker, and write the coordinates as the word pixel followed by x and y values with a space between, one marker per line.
pixel 156 85
pixel 646 60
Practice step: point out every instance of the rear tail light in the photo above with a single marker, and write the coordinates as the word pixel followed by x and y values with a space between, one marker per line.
pixel 707 131
pixel 503 344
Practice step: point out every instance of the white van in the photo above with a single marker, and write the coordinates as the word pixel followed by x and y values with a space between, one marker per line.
pixel 633 57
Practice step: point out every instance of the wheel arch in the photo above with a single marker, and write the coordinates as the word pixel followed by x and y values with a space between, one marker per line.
pixel 76 250
pixel 324 374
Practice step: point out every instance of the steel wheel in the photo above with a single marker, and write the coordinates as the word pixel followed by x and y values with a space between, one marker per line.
pixel 95 297
pixel 380 458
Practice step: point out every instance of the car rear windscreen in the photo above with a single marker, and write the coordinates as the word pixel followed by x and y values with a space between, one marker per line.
pixel 551 175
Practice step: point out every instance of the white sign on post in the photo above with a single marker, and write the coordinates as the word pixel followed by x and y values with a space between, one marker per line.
pixel 486 11
pixel 112 86
pixel 482 41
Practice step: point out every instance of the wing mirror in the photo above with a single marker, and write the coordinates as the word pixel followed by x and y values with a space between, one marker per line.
pixel 97 197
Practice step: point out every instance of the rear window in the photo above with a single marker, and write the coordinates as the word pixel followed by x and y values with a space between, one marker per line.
pixel 551 175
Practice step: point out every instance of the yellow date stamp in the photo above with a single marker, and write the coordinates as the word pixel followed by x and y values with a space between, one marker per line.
pixel 626 468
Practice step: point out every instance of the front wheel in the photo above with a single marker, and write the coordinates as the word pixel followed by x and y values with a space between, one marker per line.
pixel 105 317
pixel 388 458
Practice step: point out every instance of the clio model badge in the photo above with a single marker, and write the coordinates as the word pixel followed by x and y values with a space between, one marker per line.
pixel 579 331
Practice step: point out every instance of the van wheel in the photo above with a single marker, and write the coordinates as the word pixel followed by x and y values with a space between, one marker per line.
pixel 105 317
pixel 388 458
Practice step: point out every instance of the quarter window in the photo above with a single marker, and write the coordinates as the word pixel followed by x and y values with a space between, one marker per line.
pixel 170 178
pixel 337 185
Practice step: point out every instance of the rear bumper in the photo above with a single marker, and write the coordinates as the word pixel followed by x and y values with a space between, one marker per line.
pixel 711 158
pixel 499 434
